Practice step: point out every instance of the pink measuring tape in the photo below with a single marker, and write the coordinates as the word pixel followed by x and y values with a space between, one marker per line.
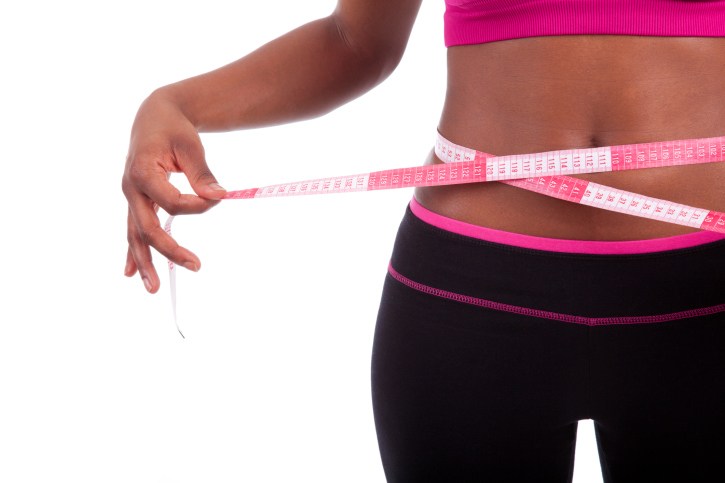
pixel 545 173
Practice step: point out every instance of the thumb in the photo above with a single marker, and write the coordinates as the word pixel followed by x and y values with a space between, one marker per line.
pixel 200 177
pixel 205 185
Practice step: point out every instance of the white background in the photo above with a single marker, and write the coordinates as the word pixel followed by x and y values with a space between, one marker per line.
pixel 272 382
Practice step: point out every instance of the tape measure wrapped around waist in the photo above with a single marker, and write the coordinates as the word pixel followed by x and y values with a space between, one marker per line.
pixel 545 172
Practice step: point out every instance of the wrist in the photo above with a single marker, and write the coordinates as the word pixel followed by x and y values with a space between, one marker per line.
pixel 172 98
pixel 160 119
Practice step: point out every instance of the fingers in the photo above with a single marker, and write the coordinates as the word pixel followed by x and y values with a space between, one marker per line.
pixel 143 227
pixel 152 182
pixel 144 231
pixel 139 258
pixel 131 268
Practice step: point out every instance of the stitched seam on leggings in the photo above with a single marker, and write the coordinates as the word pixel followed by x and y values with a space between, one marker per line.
pixel 544 314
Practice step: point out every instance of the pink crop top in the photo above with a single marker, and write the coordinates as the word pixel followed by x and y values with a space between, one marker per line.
pixel 481 21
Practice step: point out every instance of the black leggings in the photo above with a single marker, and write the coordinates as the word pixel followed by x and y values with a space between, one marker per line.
pixel 487 355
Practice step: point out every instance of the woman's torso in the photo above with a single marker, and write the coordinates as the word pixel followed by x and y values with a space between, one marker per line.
pixel 547 93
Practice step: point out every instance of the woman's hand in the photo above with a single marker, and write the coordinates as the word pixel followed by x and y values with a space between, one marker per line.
pixel 163 141
pixel 302 74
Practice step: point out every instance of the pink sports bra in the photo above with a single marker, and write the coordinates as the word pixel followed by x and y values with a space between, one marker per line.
pixel 481 21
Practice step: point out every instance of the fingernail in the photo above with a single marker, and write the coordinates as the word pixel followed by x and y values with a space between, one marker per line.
pixel 191 266
pixel 147 283
pixel 216 187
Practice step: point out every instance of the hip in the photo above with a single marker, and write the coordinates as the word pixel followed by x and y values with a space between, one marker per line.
pixel 594 283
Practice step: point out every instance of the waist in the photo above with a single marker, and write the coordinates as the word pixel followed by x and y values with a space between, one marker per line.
pixel 560 92
pixel 502 207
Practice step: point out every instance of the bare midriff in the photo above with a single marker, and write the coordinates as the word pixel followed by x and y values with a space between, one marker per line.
pixel 575 91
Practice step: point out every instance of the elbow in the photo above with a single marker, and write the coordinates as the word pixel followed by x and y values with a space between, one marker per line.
pixel 377 57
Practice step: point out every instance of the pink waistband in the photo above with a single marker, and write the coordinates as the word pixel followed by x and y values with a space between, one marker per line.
pixel 563 245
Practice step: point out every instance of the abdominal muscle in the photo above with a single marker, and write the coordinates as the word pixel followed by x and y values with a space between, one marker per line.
pixel 577 91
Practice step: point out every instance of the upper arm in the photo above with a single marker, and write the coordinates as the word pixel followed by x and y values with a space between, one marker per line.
pixel 377 29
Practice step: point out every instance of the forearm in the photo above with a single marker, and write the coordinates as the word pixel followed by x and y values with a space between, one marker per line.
pixel 303 74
